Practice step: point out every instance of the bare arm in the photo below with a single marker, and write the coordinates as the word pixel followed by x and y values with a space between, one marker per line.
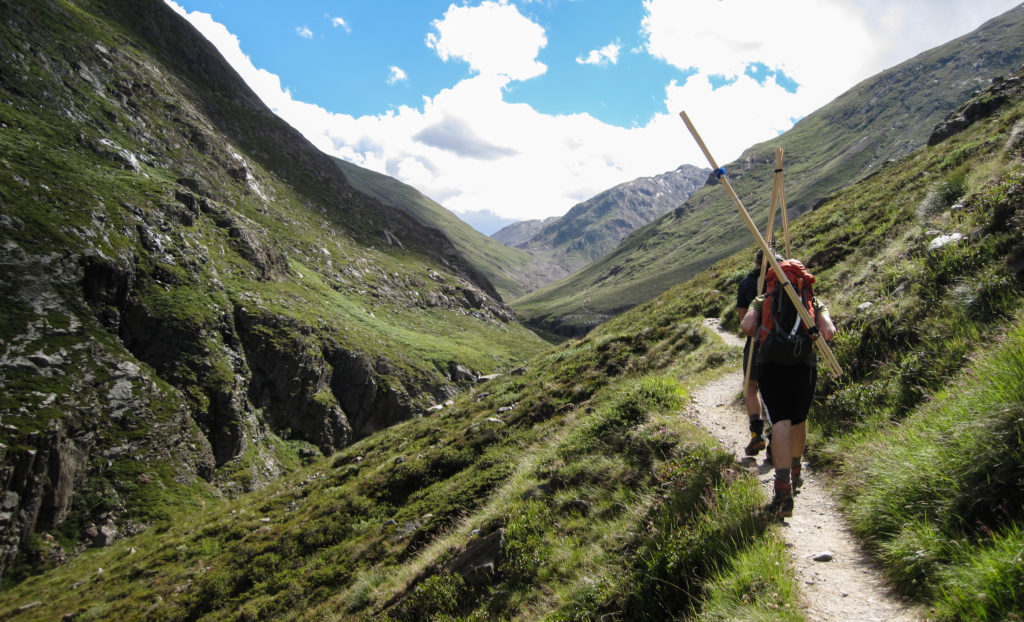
pixel 825 326
pixel 751 320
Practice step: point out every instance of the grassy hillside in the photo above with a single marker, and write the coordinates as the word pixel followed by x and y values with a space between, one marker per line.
pixel 559 246
pixel 575 489
pixel 509 269
pixel 195 299
pixel 880 119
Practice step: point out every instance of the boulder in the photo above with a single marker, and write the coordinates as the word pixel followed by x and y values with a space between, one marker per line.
pixel 101 535
pixel 460 373
pixel 477 560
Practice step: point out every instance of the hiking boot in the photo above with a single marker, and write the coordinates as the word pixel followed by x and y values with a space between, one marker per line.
pixel 782 503
pixel 797 480
pixel 756 444
pixel 768 453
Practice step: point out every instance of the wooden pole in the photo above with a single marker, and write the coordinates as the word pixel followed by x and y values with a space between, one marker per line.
pixel 785 215
pixel 787 287
pixel 776 190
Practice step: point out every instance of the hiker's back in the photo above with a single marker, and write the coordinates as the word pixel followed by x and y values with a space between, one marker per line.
pixel 784 340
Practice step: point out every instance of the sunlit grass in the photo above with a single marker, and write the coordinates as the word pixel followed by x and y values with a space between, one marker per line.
pixel 939 496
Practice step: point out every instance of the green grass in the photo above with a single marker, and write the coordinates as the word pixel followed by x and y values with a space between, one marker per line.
pixel 754 585
pixel 590 472
pixel 939 496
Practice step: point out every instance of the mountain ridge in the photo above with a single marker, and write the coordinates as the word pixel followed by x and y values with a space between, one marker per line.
pixel 520 232
pixel 544 251
pixel 843 141
pixel 510 270
pixel 629 205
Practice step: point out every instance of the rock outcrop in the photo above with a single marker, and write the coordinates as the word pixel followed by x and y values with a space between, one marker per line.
pixel 984 104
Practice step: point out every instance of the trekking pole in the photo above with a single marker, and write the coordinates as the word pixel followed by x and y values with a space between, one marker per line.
pixel 787 287
pixel 776 189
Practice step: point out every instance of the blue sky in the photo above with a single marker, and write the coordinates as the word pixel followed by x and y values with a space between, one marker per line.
pixel 345 66
pixel 505 110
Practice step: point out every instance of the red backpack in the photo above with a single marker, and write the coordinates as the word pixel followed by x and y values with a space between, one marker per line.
pixel 782 336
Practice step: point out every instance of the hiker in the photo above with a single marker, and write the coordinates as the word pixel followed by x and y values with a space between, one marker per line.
pixel 745 294
pixel 787 370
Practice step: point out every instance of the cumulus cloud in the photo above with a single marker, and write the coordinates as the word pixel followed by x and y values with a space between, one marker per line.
pixel 609 54
pixel 825 46
pixel 397 75
pixel 494 38
pixel 471 150
pixel 545 164
pixel 905 28
pixel 304 32
pixel 811 42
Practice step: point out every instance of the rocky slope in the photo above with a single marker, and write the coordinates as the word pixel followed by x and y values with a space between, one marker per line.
pixel 877 121
pixel 591 229
pixel 195 297
pixel 520 232
pixel 594 228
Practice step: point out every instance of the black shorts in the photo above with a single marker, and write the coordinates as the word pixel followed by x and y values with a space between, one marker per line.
pixel 787 390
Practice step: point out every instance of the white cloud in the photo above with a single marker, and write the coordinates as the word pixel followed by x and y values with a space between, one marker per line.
pixel 826 46
pixel 904 28
pixel 529 165
pixel 609 54
pixel 339 22
pixel 494 38
pixel 397 75
pixel 471 150
pixel 812 42
pixel 304 32
pixel 456 136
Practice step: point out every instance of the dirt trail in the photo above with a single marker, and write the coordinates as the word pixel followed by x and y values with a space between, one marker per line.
pixel 848 586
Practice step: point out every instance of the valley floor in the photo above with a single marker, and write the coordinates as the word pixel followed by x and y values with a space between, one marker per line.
pixel 847 586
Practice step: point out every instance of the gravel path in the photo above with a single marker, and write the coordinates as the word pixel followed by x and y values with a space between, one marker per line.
pixel 845 587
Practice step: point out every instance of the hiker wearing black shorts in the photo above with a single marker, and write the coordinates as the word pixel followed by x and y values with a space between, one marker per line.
pixel 745 294
pixel 787 372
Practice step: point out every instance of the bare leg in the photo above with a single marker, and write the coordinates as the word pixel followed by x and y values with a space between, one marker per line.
pixel 798 438
pixel 752 399
pixel 781 445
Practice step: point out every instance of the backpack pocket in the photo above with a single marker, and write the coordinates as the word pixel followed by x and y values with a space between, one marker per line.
pixel 781 349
